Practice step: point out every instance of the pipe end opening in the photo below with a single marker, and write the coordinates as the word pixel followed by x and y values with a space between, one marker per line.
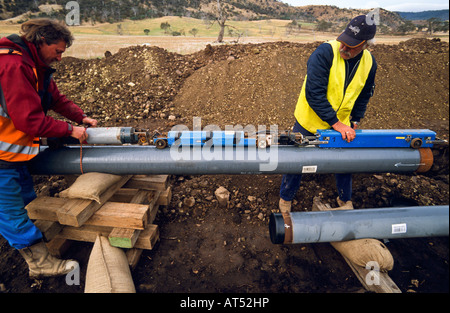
pixel 276 228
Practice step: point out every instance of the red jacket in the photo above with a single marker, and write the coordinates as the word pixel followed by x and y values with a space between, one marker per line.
pixel 23 102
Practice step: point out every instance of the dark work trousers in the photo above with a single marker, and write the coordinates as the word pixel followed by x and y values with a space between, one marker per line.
pixel 291 182
pixel 16 191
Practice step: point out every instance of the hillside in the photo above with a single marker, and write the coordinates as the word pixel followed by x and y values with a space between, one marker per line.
pixel 115 10
pixel 442 15
pixel 342 16
pixel 111 11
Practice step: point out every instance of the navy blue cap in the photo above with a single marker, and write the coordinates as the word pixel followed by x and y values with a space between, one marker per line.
pixel 360 29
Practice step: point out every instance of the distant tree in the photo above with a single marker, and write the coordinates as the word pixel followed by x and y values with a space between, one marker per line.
pixel 323 26
pixel 193 32
pixel 135 11
pixel 222 14
pixel 105 14
pixel 433 24
pixel 407 27
pixel 221 19
pixel 165 26
pixel 436 25
pixel 444 27
pixel 146 31
pixel 383 29
pixel 293 27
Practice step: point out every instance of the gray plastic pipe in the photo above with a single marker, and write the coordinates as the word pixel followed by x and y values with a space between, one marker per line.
pixel 98 136
pixel 147 160
pixel 343 225
pixel 108 135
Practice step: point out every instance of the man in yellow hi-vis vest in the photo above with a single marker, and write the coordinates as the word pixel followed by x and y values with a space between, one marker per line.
pixel 339 82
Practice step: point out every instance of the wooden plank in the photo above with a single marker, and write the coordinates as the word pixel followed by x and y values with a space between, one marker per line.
pixel 148 237
pixel 146 240
pixel 319 206
pixel 123 195
pixel 137 196
pixel 165 197
pixel 111 214
pixel 48 229
pixel 122 215
pixel 45 208
pixel 78 211
pixel 148 182
pixel 128 194
pixel 133 256
pixel 123 237
pixel 58 246
pixel 86 233
pixel 140 197
pixel 383 284
pixel 153 206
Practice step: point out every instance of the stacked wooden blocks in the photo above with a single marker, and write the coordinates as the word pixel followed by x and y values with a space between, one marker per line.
pixel 125 215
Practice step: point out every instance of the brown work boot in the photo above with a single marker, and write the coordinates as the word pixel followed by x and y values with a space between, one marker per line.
pixel 344 205
pixel 42 264
pixel 285 206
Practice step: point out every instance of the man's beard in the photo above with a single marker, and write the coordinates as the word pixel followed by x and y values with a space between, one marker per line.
pixel 346 53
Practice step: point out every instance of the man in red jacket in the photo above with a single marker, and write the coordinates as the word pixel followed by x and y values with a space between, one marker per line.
pixel 27 92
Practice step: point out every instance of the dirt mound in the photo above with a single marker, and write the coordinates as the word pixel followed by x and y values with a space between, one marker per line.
pixel 128 86
pixel 207 248
pixel 263 88
pixel 251 84
pixel 424 46
pixel 259 89
pixel 411 87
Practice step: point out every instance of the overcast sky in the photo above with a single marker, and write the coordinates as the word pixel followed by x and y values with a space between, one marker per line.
pixel 391 5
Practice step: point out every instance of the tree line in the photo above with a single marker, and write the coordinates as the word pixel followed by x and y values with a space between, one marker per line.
pixel 113 11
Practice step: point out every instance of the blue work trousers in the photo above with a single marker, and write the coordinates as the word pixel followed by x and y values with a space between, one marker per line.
pixel 290 183
pixel 16 191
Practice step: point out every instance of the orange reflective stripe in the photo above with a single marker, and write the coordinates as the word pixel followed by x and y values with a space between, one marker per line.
pixel 15 145
pixel 10 134
pixel 15 157
pixel 37 79
pixel 9 51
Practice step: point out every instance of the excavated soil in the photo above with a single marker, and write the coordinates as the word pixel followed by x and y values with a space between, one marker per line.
pixel 205 248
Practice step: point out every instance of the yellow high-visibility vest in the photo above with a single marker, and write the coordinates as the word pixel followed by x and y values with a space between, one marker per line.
pixel 342 102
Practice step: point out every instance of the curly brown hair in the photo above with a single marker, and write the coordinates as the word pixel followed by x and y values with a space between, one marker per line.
pixel 51 31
